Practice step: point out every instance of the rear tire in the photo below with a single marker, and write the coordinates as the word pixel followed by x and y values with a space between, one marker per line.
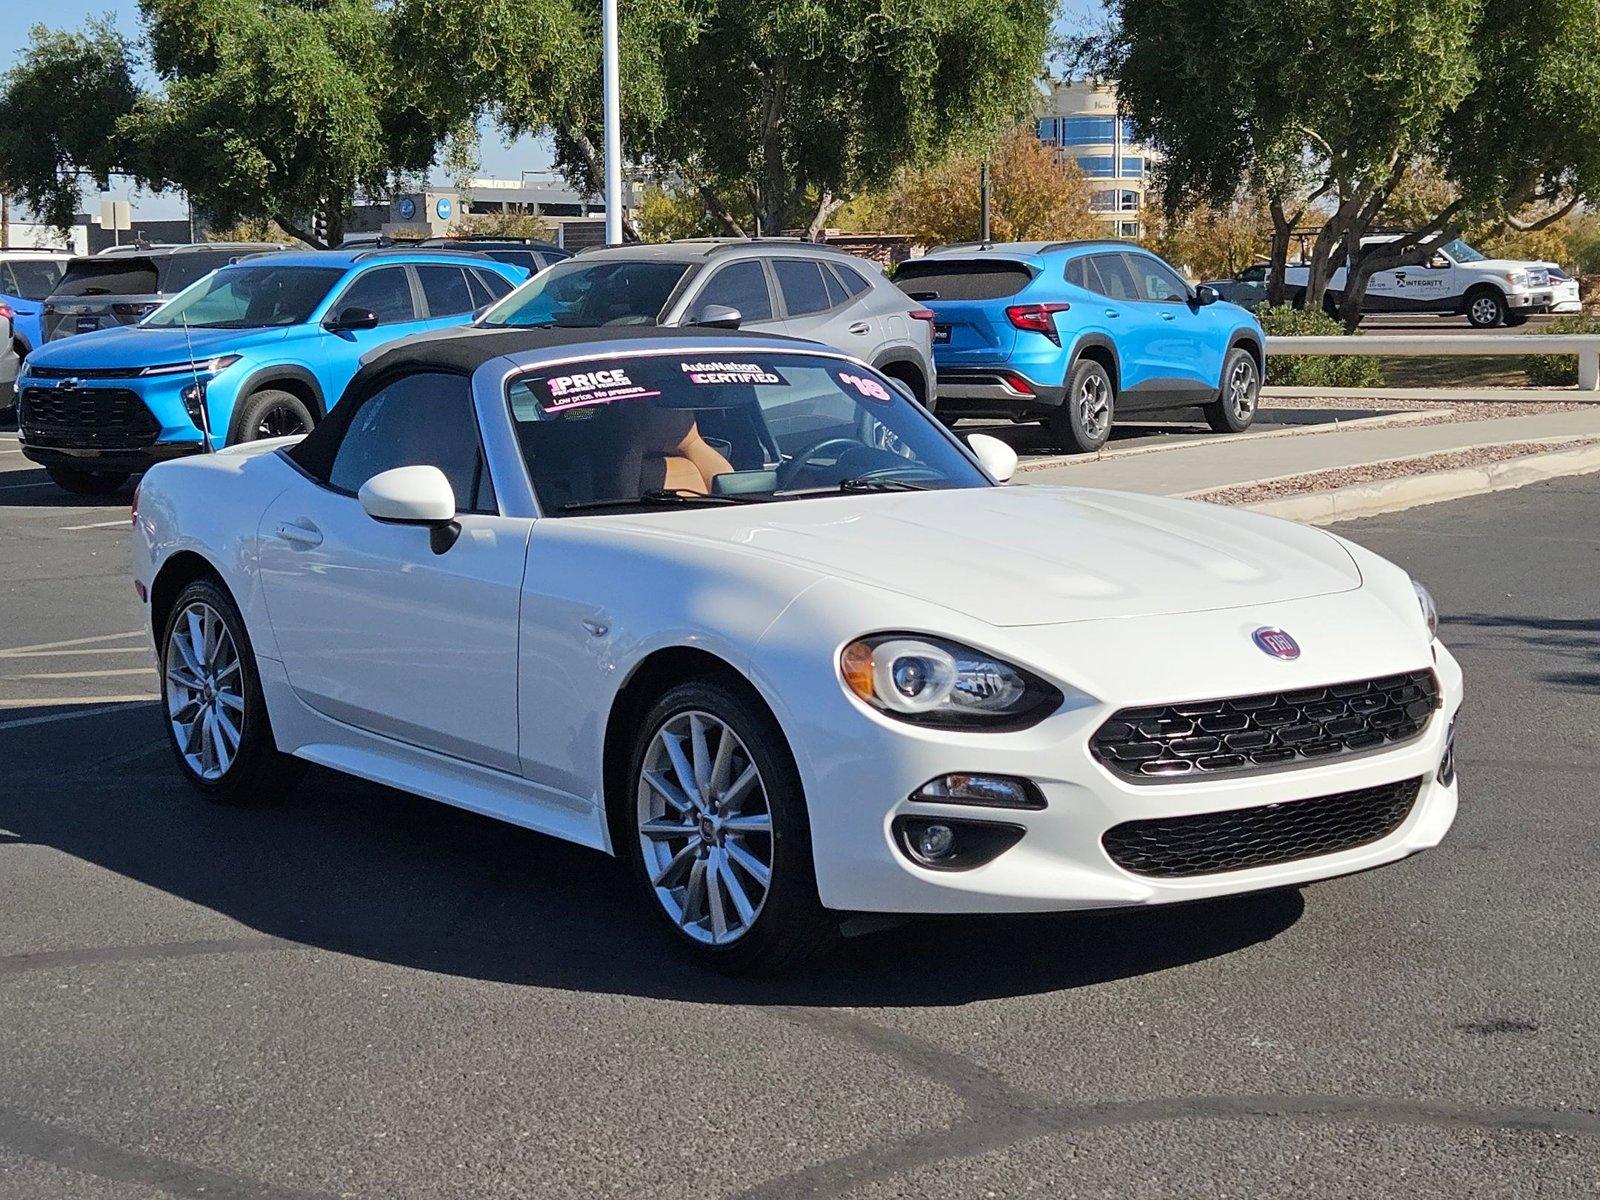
pixel 1486 308
pixel 698 848
pixel 215 713
pixel 1234 409
pixel 271 413
pixel 1083 422
pixel 86 483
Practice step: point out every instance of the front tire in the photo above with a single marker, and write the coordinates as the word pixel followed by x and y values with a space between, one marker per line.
pixel 86 483
pixel 1486 308
pixel 1234 409
pixel 216 714
pixel 1515 317
pixel 1083 422
pixel 271 413
pixel 717 833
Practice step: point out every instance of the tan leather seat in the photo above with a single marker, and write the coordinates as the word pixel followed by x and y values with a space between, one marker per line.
pixel 673 454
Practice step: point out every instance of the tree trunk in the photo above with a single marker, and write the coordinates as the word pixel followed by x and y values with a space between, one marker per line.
pixel 826 207
pixel 774 171
pixel 1278 261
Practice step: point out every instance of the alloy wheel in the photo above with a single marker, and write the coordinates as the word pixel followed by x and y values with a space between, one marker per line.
pixel 281 420
pixel 1094 406
pixel 705 828
pixel 1242 389
pixel 204 689
pixel 1485 311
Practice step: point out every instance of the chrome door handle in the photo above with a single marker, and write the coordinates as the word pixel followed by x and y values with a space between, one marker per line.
pixel 1166 316
pixel 305 536
pixel 1111 312
pixel 861 327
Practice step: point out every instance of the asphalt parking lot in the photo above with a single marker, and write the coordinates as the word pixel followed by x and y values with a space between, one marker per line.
pixel 359 993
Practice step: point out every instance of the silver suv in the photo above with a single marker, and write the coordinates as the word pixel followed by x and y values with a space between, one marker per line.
pixel 797 288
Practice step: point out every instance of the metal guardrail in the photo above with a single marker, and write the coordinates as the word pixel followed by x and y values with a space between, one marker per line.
pixel 1586 347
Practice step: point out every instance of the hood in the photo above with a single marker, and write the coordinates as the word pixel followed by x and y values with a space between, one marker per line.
pixel 142 346
pixel 1502 264
pixel 1034 555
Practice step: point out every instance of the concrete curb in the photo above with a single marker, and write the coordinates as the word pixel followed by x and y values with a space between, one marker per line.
pixel 1395 495
pixel 1379 395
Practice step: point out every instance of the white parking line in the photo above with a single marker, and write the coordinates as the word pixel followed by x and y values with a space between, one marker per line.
pixel 9 651
pixel 78 674
pixel 107 704
pixel 63 653
pixel 122 521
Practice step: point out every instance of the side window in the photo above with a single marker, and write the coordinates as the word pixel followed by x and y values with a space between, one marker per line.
pixel 836 293
pixel 1116 281
pixel 1256 274
pixel 1078 274
pixel 425 419
pixel 445 289
pixel 800 280
pixel 493 283
pixel 741 285
pixel 854 281
pixel 385 291
pixel 1157 281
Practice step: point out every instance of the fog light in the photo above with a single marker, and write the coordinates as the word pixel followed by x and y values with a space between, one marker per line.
pixel 934 842
pixel 194 398
pixel 1447 764
pixel 995 791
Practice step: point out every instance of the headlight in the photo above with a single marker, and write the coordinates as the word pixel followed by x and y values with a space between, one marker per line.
pixel 1430 610
pixel 209 367
pixel 930 681
pixel 1516 278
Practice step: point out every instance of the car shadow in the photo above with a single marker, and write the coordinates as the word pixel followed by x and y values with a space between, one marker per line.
pixel 1575 641
pixel 32 488
pixel 348 866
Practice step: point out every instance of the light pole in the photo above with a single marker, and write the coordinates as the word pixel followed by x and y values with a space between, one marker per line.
pixel 613 120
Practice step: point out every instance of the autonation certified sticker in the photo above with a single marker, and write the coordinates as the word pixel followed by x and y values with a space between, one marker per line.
pixel 730 372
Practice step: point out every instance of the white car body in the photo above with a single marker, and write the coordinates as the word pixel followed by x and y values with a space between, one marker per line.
pixel 1565 299
pixel 485 677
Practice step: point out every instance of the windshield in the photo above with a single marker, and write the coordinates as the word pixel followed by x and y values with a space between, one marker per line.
pixel 1461 252
pixel 723 428
pixel 590 294
pixel 248 297
pixel 31 278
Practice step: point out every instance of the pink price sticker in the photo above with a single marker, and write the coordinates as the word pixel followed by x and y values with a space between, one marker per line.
pixel 592 387
pixel 865 385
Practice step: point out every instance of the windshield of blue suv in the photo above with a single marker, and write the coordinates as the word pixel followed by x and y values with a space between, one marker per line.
pixel 728 427
pixel 249 297
pixel 575 294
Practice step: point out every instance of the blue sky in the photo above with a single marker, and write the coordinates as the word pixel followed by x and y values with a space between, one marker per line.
pixel 499 159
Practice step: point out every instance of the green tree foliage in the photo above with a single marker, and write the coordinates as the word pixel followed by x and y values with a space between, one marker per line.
pixel 59 112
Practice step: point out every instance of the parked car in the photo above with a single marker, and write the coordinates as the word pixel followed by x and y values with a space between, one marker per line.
pixel 1080 333
pixel 530 255
pixel 122 285
pixel 1564 295
pixel 10 364
pixel 260 348
pixel 1247 289
pixel 1456 280
pixel 731 608
pixel 775 286
pixel 27 277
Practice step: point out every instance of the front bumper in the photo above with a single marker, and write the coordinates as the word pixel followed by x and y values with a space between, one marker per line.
pixel 859 768
pixel 1533 302
pixel 115 423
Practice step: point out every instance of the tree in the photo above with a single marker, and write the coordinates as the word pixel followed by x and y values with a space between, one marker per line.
pixel 1214 242
pixel 59 111
pixel 1033 195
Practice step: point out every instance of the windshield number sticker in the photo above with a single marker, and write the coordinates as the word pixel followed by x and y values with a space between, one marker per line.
pixel 731 372
pixel 870 388
pixel 592 387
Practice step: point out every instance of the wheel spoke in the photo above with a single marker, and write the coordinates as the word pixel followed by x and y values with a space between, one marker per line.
pixel 694 895
pixel 702 754
pixel 668 875
pixel 669 791
pixel 224 725
pixel 667 829
pixel 220 749
pixel 751 823
pixel 183 677
pixel 719 915
pixel 229 700
pixel 737 789
pixel 228 671
pixel 749 863
pixel 193 733
pixel 735 889
pixel 682 769
pixel 722 765
pixel 187 712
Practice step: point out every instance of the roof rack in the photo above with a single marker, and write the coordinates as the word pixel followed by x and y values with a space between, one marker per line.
pixel 363 253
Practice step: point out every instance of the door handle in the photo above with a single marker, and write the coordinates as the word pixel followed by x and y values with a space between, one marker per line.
pixel 861 327
pixel 1111 312
pixel 304 536
pixel 1166 316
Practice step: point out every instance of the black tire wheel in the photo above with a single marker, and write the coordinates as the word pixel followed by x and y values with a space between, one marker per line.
pixel 1235 406
pixel 1516 317
pixel 713 822
pixel 215 713
pixel 1486 308
pixel 86 483
pixel 270 413
pixel 1083 422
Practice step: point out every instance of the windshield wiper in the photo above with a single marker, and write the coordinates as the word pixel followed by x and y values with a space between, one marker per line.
pixel 859 483
pixel 657 496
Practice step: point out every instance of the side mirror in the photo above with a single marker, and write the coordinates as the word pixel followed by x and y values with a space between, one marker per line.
pixel 1206 294
pixel 999 459
pixel 418 495
pixel 1438 262
pixel 718 316
pixel 353 318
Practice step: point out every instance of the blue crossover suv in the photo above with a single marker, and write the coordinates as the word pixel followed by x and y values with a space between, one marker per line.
pixel 1077 333
pixel 259 348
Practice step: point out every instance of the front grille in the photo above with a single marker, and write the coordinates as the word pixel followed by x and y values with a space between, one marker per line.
pixel 1242 838
pixel 1245 734
pixel 87 418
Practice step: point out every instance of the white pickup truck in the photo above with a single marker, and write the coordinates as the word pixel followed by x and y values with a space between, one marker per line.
pixel 1457 279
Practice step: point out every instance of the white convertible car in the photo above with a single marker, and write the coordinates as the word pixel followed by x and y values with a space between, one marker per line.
pixel 736 609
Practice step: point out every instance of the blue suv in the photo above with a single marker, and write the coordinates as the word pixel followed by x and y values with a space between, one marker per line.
pixel 1079 332
pixel 259 348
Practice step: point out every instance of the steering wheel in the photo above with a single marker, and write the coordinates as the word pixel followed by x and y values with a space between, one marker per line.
pixel 788 471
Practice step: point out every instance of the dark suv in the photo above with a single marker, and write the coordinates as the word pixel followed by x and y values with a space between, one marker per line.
pixel 119 286
pixel 531 256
